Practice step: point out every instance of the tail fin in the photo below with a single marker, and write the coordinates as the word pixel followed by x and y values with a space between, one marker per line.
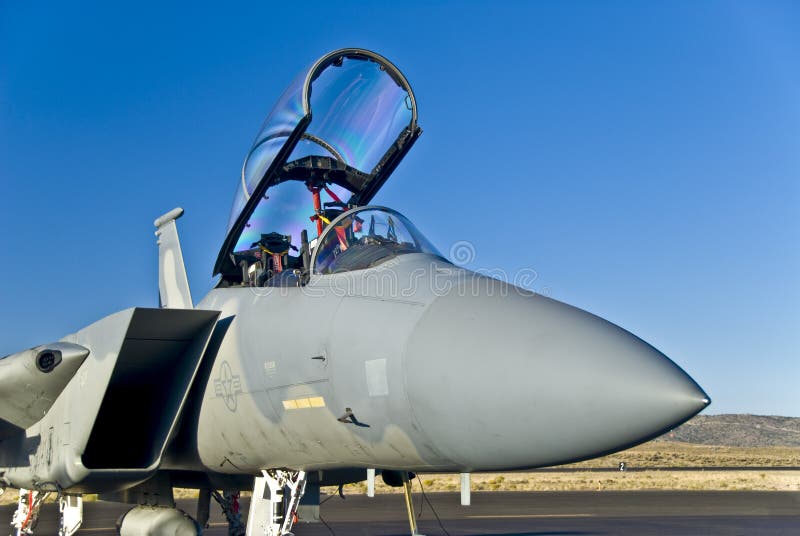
pixel 173 285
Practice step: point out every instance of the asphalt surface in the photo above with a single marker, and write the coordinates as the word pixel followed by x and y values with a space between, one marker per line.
pixel 671 469
pixel 516 514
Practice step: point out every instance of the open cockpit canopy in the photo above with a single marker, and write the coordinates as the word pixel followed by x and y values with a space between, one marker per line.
pixel 331 141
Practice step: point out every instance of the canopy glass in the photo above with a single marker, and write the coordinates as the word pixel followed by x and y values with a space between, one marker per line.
pixel 340 129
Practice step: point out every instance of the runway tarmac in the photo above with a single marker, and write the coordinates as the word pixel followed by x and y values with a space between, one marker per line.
pixel 602 513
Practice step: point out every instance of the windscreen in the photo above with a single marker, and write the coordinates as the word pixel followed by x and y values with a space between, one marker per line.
pixel 367 237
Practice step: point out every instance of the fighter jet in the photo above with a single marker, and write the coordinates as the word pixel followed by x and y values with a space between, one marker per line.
pixel 338 343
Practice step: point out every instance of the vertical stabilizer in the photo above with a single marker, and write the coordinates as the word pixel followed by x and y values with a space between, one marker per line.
pixel 173 285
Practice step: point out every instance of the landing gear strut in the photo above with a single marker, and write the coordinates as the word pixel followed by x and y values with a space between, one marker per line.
pixel 70 512
pixel 412 519
pixel 273 507
pixel 229 502
pixel 27 513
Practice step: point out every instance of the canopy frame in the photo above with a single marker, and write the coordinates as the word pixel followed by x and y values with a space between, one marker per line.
pixel 272 175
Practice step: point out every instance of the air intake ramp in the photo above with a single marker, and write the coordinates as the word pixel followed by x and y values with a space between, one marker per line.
pixel 108 428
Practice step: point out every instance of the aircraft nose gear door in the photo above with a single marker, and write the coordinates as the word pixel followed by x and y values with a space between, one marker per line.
pixel 70 510
pixel 273 507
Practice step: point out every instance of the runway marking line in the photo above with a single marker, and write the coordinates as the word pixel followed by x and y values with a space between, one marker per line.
pixel 526 516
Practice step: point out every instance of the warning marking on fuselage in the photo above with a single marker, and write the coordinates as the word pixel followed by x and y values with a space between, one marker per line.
pixel 304 403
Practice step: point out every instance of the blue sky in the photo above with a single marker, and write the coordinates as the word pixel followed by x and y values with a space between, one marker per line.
pixel 643 158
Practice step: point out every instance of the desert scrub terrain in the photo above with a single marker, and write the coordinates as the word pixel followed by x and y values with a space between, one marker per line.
pixel 699 480
pixel 658 455
pixel 741 430
pixel 673 454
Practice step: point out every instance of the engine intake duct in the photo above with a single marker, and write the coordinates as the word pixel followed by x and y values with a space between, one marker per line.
pixel 149 384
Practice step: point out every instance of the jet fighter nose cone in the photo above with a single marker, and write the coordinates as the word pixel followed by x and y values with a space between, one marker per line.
pixel 670 394
pixel 499 379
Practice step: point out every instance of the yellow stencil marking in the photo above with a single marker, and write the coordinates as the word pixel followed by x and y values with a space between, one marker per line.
pixel 304 403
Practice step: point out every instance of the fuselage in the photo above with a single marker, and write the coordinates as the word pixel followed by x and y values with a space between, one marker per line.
pixel 416 364
pixel 410 364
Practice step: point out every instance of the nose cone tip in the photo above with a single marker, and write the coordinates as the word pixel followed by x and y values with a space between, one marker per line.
pixel 690 407
pixel 701 404
pixel 699 395
pixel 704 403
pixel 670 391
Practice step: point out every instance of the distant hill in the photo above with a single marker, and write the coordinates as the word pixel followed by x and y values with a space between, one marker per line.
pixel 738 431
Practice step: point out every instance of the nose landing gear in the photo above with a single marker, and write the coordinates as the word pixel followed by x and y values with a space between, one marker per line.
pixel 26 516
pixel 273 507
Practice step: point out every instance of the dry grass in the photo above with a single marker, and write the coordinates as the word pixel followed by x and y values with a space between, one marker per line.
pixel 669 454
pixel 584 481
pixel 662 455
pixel 650 455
